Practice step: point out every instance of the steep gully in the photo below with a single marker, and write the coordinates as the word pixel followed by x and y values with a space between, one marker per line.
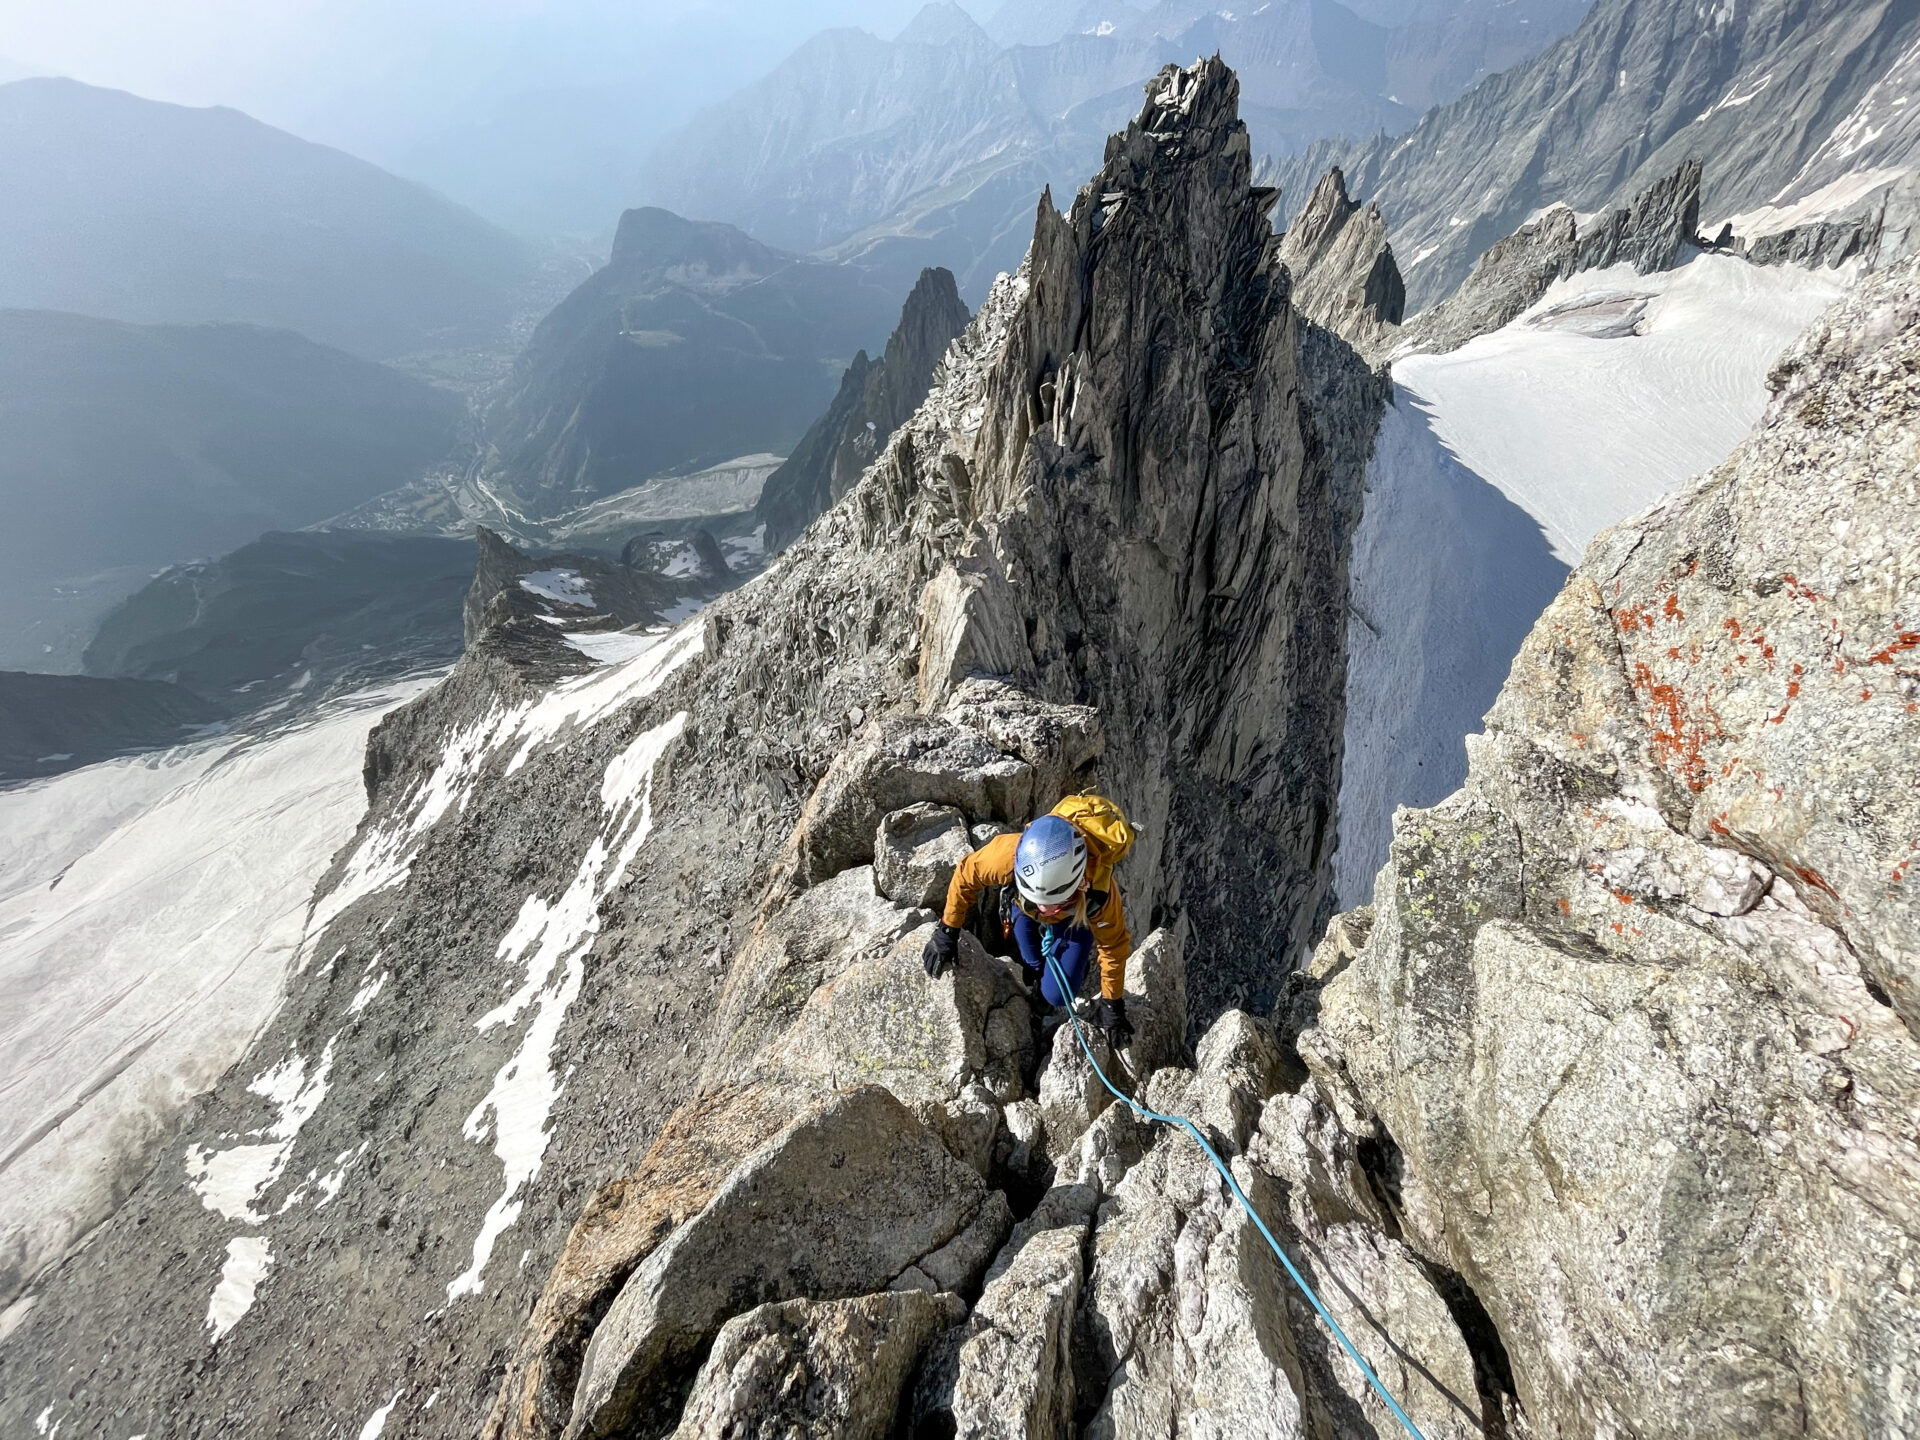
pixel 1111 548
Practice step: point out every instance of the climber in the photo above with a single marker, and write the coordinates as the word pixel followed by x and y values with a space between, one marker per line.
pixel 1064 903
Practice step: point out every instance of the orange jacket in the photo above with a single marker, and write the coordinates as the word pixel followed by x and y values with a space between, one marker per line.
pixel 992 864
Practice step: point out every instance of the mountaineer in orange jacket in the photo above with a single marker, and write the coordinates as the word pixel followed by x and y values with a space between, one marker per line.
pixel 1064 911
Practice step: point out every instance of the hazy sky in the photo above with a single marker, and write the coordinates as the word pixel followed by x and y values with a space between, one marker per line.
pixel 268 54
pixel 366 70
pixel 509 105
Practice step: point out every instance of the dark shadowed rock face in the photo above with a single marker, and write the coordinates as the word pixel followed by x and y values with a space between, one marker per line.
pixel 1879 229
pixel 1652 232
pixel 875 399
pixel 1655 232
pixel 693 344
pixel 508 585
pixel 584 897
pixel 295 615
pixel 51 723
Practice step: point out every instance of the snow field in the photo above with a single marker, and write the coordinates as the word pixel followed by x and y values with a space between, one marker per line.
pixel 1494 468
pixel 1583 432
pixel 151 907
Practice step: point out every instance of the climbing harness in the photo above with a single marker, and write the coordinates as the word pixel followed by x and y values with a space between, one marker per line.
pixel 1060 979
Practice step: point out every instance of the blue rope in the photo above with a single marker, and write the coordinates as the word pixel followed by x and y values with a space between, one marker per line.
pixel 1060 979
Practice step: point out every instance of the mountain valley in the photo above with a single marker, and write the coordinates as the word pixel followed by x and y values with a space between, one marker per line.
pixel 473 963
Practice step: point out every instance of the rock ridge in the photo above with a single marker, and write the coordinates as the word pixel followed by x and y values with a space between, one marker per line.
pixel 1633 1014
pixel 622 945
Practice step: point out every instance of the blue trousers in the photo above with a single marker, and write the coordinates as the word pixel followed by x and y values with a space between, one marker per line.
pixel 1072 948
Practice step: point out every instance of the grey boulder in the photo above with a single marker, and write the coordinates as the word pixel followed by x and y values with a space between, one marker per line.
pixel 814 1368
pixel 915 853
pixel 839 1203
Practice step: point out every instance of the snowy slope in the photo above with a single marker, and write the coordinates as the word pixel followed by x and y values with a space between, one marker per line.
pixel 148 911
pixel 1447 576
pixel 1495 467
pixel 1582 432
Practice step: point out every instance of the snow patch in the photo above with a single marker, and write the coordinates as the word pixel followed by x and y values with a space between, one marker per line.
pixel 248 1257
pixel 377 1421
pixel 230 1181
pixel 609 647
pixel 743 550
pixel 385 857
pixel 585 700
pixel 366 994
pixel 549 937
pixel 685 561
pixel 565 586
pixel 386 854
pixel 1734 98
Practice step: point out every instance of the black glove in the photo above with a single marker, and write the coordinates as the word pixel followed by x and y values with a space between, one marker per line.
pixel 941 947
pixel 1111 1017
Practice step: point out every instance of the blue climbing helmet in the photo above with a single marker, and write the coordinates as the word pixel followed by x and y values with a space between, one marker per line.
pixel 1049 861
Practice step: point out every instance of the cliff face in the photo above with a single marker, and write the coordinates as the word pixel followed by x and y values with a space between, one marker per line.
pixel 1631 1022
pixel 634 949
pixel 876 397
pixel 1778 98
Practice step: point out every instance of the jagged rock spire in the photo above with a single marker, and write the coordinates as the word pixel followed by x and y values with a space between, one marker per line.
pixel 1344 273
pixel 875 397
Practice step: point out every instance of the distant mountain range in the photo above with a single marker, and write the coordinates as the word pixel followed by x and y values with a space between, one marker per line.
pixel 312 614
pixel 50 723
pixel 133 210
pixel 694 344
pixel 125 448
pixel 1780 98
pixel 931 148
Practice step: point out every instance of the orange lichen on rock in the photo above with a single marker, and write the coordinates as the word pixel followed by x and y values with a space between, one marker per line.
pixel 1677 739
pixel 1905 640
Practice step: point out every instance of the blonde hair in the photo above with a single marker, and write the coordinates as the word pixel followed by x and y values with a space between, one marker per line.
pixel 1079 917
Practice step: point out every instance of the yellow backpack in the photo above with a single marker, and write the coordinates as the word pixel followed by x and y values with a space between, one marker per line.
pixel 1108 833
